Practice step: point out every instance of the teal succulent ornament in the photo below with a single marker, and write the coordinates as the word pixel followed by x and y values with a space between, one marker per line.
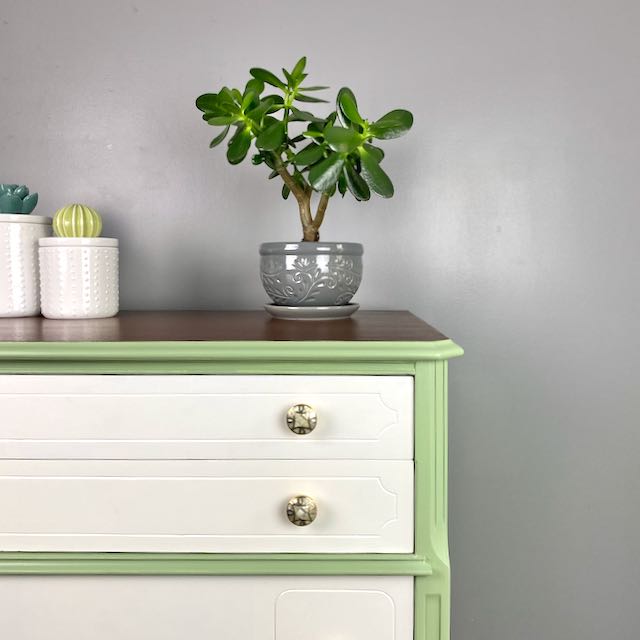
pixel 16 198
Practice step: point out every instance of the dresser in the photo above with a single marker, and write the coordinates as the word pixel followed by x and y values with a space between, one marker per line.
pixel 224 476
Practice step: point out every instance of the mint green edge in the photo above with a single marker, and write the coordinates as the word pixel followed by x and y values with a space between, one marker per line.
pixel 426 361
pixel 250 354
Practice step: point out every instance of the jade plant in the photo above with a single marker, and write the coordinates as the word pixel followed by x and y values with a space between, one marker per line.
pixel 16 198
pixel 77 221
pixel 324 155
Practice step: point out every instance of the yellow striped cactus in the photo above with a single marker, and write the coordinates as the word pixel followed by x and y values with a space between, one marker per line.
pixel 77 221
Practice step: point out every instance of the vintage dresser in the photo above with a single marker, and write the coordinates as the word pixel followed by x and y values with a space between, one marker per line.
pixel 223 476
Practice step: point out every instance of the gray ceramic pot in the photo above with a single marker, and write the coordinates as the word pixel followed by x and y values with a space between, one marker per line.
pixel 310 274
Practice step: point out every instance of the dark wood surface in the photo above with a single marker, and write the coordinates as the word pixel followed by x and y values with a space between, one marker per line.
pixel 141 326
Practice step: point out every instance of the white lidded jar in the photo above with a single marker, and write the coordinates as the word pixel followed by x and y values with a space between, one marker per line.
pixel 79 277
pixel 19 283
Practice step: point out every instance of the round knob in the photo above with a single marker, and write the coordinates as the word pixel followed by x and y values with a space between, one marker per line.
pixel 302 510
pixel 302 419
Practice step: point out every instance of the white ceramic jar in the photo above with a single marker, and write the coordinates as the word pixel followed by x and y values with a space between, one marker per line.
pixel 19 286
pixel 79 277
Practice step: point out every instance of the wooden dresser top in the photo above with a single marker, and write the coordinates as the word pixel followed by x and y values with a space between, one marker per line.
pixel 220 326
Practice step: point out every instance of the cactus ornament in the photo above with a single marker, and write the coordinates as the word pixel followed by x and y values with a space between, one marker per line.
pixel 77 221
pixel 16 198
pixel 78 269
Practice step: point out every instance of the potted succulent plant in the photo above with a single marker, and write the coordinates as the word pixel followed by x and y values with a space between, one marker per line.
pixel 78 269
pixel 19 235
pixel 316 157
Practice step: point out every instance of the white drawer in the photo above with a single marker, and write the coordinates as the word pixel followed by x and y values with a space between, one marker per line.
pixel 206 506
pixel 204 607
pixel 204 417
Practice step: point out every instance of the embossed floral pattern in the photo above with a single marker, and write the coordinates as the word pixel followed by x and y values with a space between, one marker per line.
pixel 311 280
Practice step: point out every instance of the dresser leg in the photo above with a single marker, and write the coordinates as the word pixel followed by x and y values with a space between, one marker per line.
pixel 432 593
pixel 432 607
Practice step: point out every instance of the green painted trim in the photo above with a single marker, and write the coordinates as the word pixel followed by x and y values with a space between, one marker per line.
pixel 212 564
pixel 233 352
pixel 431 452
pixel 432 613
pixel 432 594
pixel 206 368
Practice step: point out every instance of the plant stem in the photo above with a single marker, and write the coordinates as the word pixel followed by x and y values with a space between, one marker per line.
pixel 302 195
pixel 322 207
pixel 310 224
pixel 309 231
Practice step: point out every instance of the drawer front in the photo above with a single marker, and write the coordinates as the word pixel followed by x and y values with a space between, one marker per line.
pixel 199 607
pixel 204 417
pixel 205 506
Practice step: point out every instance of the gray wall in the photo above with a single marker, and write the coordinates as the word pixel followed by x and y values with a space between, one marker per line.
pixel 514 229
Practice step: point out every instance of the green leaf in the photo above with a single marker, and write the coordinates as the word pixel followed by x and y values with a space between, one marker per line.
pixel 254 86
pixel 259 112
pixel 298 115
pixel 219 138
pixel 347 106
pixel 268 77
pixel 373 175
pixel 207 102
pixel 257 159
pixel 342 140
pixel 299 178
pixel 216 112
pixel 313 88
pixel 222 121
pixel 376 152
pixel 310 133
pixel 249 98
pixel 269 120
pixel 324 175
pixel 237 96
pixel 392 125
pixel 342 184
pixel 275 107
pixel 355 183
pixel 277 102
pixel 302 98
pixel 291 81
pixel 239 146
pixel 272 137
pixel 226 99
pixel 285 191
pixel 309 155
pixel 317 126
pixel 298 70
pixel 269 161
pixel 277 99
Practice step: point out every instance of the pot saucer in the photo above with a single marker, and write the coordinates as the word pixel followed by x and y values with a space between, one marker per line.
pixel 337 312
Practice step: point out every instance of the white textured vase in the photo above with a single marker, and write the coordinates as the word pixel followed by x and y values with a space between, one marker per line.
pixel 79 277
pixel 19 286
